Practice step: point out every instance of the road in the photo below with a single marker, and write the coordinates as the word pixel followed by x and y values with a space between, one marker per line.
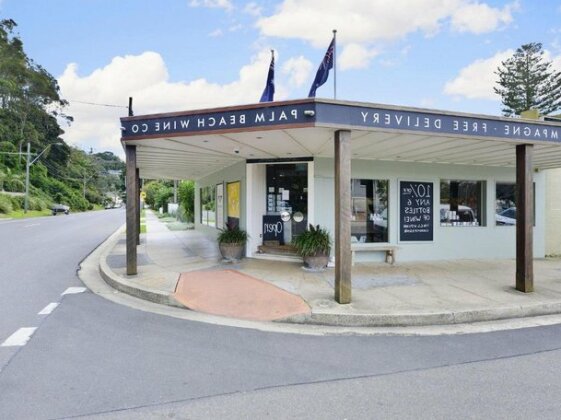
pixel 93 358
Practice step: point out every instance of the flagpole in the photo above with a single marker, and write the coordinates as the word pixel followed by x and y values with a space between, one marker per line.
pixel 334 64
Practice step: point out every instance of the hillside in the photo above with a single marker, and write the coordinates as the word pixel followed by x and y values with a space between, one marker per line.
pixel 31 113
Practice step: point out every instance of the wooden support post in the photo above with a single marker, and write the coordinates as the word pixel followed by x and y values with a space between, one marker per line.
pixel 132 204
pixel 137 179
pixel 343 261
pixel 524 219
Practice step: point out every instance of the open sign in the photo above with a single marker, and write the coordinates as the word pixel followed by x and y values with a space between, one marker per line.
pixel 273 229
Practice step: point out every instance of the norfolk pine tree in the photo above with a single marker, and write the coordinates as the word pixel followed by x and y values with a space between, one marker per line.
pixel 528 81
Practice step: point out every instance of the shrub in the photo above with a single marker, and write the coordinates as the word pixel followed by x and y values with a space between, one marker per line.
pixel 37 204
pixel 14 185
pixel 312 242
pixel 5 204
pixel 17 202
pixel 232 235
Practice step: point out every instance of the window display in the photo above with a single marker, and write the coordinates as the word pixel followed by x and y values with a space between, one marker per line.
pixel 369 210
pixel 462 203
pixel 208 205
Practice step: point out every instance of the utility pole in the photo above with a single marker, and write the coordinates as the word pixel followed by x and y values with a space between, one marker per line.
pixel 27 165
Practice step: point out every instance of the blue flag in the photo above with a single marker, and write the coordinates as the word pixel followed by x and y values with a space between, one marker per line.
pixel 323 70
pixel 269 91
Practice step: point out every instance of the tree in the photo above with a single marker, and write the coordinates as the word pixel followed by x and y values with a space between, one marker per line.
pixel 527 80
pixel 186 194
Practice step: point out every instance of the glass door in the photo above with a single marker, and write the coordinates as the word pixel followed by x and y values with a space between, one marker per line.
pixel 287 203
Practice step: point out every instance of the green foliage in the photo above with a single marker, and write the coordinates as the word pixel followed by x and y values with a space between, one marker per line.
pixel 314 241
pixel 186 198
pixel 232 235
pixel 158 194
pixel 30 111
pixel 527 81
pixel 17 202
pixel 5 204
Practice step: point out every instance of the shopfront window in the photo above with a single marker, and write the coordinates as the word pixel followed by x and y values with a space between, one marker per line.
pixel 462 203
pixel 208 205
pixel 505 204
pixel 369 218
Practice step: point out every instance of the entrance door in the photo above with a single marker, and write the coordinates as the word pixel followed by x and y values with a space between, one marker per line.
pixel 286 203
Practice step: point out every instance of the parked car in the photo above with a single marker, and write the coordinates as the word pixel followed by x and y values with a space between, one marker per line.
pixel 506 217
pixel 60 208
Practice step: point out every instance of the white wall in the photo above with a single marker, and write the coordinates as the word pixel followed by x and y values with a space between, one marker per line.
pixel 232 173
pixel 256 203
pixel 486 242
pixel 553 212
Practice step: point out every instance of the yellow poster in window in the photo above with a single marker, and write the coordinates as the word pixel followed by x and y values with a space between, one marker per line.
pixel 233 191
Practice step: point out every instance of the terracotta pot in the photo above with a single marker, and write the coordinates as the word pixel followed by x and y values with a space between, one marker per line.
pixel 231 252
pixel 316 262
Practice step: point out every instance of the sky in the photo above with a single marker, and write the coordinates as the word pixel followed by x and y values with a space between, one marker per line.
pixel 175 55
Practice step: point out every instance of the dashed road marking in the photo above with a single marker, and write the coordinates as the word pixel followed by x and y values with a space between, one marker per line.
pixel 73 290
pixel 48 309
pixel 19 338
pixel 32 224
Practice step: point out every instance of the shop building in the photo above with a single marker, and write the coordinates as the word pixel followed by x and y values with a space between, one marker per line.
pixel 430 185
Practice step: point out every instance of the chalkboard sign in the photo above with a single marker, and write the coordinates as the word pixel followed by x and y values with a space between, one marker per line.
pixel 273 229
pixel 416 211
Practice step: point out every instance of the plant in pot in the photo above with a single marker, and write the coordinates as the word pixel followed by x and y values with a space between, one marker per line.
pixel 313 245
pixel 231 242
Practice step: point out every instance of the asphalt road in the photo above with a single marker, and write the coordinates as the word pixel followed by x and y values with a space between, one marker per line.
pixel 91 357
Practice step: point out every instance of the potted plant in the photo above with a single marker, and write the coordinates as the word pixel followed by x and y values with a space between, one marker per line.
pixel 313 245
pixel 231 242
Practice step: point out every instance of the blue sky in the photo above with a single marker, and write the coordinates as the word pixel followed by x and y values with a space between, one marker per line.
pixel 173 55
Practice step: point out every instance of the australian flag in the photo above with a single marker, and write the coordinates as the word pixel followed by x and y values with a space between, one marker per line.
pixel 323 70
pixel 269 91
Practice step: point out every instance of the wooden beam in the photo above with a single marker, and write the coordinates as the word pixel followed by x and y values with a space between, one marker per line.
pixel 132 204
pixel 343 263
pixel 137 180
pixel 524 218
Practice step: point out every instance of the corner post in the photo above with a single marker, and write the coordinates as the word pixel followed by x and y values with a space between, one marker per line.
pixel 137 180
pixel 343 284
pixel 132 205
pixel 524 219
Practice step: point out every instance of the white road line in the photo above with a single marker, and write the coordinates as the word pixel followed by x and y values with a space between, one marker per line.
pixel 73 290
pixel 19 338
pixel 48 309
pixel 32 224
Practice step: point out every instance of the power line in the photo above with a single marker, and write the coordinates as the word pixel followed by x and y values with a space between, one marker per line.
pixel 97 104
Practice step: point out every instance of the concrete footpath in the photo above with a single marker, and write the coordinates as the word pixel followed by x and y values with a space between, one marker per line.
pixel 183 269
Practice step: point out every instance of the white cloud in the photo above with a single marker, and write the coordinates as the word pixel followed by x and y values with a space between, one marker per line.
pixel 355 56
pixel 213 4
pixel 145 78
pixel 371 21
pixel 476 81
pixel 253 9
pixel 480 18
pixel 216 32
pixel 298 69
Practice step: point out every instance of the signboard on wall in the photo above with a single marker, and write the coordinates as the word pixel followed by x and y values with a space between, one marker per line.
pixel 416 213
pixel 273 228
pixel 233 195
pixel 220 206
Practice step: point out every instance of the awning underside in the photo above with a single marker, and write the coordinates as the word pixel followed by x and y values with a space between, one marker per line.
pixel 193 157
